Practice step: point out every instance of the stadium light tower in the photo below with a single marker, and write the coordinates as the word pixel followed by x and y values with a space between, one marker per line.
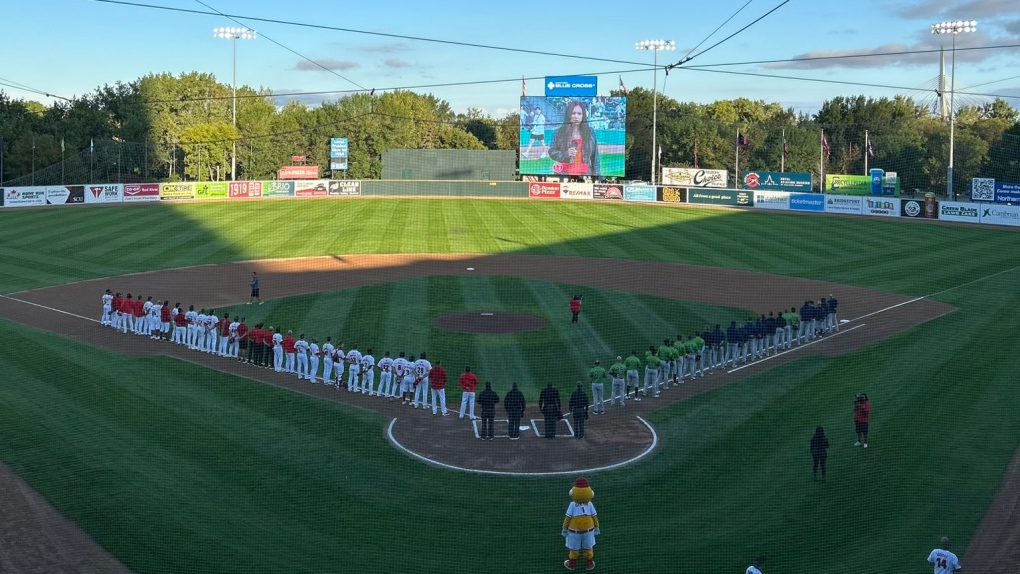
pixel 655 46
pixel 954 28
pixel 234 34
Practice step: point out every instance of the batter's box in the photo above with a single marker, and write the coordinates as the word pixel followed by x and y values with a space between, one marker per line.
pixel 498 428
pixel 539 426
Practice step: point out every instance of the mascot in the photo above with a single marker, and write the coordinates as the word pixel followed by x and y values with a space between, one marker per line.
pixel 581 525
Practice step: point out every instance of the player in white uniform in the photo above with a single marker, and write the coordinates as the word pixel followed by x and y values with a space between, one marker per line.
pixel 386 376
pixel 368 373
pixel 200 331
pixel 422 368
pixel 192 318
pixel 339 360
pixel 314 355
pixel 945 561
pixel 301 349
pixel 155 325
pixel 233 343
pixel 211 321
pixel 327 361
pixel 107 307
pixel 180 333
pixel 277 351
pixel 145 328
pixel 354 369
pixel 400 369
pixel 407 382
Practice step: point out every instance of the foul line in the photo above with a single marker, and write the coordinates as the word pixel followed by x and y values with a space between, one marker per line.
pixel 409 452
pixel 50 308
pixel 818 340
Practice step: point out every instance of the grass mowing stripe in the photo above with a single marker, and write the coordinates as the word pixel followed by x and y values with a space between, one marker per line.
pixel 498 356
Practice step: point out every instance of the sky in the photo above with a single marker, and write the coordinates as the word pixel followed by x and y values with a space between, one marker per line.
pixel 482 49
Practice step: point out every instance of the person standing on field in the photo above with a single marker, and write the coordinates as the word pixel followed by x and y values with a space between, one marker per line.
pixel 327 360
pixel 422 368
pixel 107 308
pixel 651 372
pixel 386 377
pixel 468 382
pixel 575 308
pixel 254 289
pixel 314 356
pixel 633 363
pixel 862 414
pixel 597 376
pixel 437 382
pixel 354 369
pixel 617 372
pixel 514 406
pixel 945 561
pixel 819 452
pixel 579 410
pixel 368 373
pixel 552 411
pixel 487 401
pixel 289 353
pixel 277 341
pixel 301 354
pixel 180 326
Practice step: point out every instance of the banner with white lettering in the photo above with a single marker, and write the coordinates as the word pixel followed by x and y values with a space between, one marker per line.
pixel 104 193
pixel 694 177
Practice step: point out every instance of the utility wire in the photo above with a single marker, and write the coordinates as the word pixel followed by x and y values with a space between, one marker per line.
pixel 24 88
pixel 849 56
pixel 734 15
pixel 753 22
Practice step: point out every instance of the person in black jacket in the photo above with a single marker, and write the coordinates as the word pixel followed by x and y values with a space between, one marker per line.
pixel 819 452
pixel 514 406
pixel 549 404
pixel 487 401
pixel 579 410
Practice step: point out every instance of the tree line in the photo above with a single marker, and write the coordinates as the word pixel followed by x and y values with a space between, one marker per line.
pixel 166 127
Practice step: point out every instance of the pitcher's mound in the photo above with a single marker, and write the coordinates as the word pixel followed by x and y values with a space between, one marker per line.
pixel 488 322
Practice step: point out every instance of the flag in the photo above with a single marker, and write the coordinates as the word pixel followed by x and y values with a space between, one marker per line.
pixel 61 145
pixel 92 145
pixel 741 140
pixel 786 148
pixel 524 87
pixel 825 146
pixel 626 92
pixel 871 150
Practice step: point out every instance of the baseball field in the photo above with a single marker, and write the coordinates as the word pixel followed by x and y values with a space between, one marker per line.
pixel 134 455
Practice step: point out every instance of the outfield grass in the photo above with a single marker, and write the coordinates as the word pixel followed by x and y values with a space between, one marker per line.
pixel 174 468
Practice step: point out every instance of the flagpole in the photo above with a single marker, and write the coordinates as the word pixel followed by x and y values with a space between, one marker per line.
pixel 867 150
pixel 736 163
pixel 782 154
pixel 695 156
pixel 821 162
pixel 61 161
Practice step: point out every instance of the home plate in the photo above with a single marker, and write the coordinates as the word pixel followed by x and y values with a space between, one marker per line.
pixel 470 268
pixel 487 314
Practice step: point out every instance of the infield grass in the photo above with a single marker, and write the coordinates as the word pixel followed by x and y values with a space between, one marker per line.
pixel 174 468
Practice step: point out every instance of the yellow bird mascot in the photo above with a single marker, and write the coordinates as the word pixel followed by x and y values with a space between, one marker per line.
pixel 581 525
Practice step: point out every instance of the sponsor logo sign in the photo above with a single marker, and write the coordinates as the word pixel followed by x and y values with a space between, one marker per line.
pixel 671 194
pixel 244 189
pixel 845 204
pixel 913 208
pixel 1007 192
pixel 639 192
pixel 732 197
pixel 211 190
pixel 776 181
pixel 61 194
pixel 141 192
pixel 577 190
pixel 959 211
pixel 345 187
pixel 691 177
pixel 176 191
pixel 772 199
pixel 571 85
pixel 311 188
pixel 883 206
pixel 104 193
pixel 277 189
pixel 607 191
pixel 338 148
pixel 1000 215
pixel 544 189
pixel 297 158
pixel 24 196
pixel 864 184
pixel 298 172
pixel 807 202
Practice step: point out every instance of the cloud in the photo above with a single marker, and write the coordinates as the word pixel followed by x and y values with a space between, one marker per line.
pixel 327 63
pixel 396 63
pixel 898 54
pixel 387 48
pixel 1013 27
pixel 950 10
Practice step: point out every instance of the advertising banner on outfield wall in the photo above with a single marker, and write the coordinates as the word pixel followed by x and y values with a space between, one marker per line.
pixel 577 190
pixel 24 196
pixel 671 194
pixel 772 199
pixel 141 192
pixel 807 202
pixel 298 172
pixel 607 191
pixel 211 190
pixel 844 204
pixel 776 181
pixel 65 194
pixel 1000 215
pixel 639 192
pixel 544 190
pixel 347 187
pixel 919 208
pixel 883 206
pixel 987 189
pixel 176 191
pixel 104 193
pixel 731 197
pixel 311 188
pixel 244 189
pixel 887 182
pixel 959 211
pixel 277 189
pixel 693 177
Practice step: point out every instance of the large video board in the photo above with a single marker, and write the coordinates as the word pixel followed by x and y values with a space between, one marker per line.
pixel 576 136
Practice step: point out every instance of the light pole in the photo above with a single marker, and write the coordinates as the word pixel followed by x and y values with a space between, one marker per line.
pixel 954 28
pixel 234 34
pixel 655 46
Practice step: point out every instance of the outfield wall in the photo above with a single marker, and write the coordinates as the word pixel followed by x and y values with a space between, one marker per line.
pixel 873 206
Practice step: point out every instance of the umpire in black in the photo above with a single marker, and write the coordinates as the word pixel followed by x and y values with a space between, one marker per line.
pixel 579 409
pixel 514 405
pixel 549 404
